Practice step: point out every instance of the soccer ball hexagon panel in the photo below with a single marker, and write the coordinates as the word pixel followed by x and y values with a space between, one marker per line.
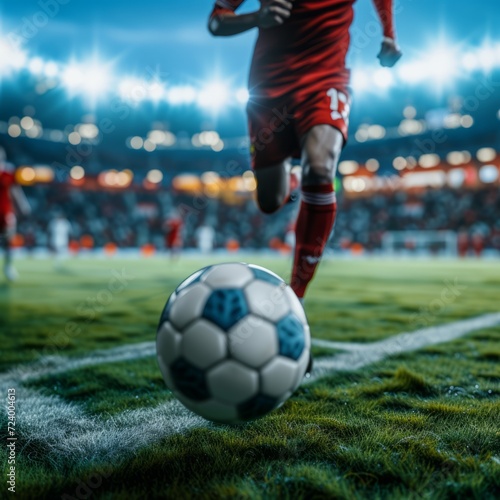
pixel 232 342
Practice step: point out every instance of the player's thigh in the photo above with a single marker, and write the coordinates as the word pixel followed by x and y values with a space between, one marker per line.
pixel 321 149
pixel 272 131
pixel 273 185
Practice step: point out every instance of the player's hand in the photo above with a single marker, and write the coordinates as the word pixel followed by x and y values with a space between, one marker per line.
pixel 389 54
pixel 274 12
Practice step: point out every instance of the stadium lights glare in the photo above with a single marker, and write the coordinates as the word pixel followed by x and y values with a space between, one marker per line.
pixel 470 61
pixel 156 91
pixel 439 66
pixel 488 174
pixel 51 69
pixel 77 173
pixel 486 154
pixel 135 90
pixel 154 176
pixel 97 79
pixel 132 89
pixel 35 65
pixel 73 77
pixel 372 165
pixel 412 72
pixel 383 78
pixel 359 80
pixel 242 95
pixel 348 167
pixel 181 95
pixel 488 56
pixel 213 96
pixel 91 79
pixel 136 142
pixel 11 58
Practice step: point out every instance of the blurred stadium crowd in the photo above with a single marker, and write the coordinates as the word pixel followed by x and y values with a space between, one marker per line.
pixel 131 219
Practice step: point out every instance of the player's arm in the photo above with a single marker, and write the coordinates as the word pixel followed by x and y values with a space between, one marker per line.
pixel 224 22
pixel 20 199
pixel 389 54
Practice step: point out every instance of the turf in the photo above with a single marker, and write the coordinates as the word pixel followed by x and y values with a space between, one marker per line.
pixel 419 425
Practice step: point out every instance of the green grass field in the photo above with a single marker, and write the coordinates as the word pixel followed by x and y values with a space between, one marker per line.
pixel 421 424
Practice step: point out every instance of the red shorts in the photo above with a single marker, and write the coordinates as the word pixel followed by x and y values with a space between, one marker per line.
pixel 278 125
pixel 7 223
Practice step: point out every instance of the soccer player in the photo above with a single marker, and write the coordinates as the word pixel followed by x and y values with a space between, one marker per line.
pixel 173 227
pixel 299 106
pixel 59 229
pixel 205 236
pixel 9 191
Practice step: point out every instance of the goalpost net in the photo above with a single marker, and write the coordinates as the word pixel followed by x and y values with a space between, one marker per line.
pixel 420 243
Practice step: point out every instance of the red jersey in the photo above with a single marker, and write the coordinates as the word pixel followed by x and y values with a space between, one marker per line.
pixel 309 48
pixel 173 227
pixel 7 180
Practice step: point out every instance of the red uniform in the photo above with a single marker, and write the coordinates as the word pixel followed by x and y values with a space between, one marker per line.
pixel 174 233
pixel 7 217
pixel 298 78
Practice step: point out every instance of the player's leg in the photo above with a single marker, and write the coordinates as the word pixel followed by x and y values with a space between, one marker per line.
pixel 176 247
pixel 274 142
pixel 273 186
pixel 59 249
pixel 321 149
pixel 7 231
pixel 4 244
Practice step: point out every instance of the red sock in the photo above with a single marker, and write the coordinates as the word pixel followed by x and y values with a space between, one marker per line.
pixel 313 228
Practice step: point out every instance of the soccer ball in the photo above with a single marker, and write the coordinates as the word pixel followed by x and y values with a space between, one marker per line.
pixel 233 342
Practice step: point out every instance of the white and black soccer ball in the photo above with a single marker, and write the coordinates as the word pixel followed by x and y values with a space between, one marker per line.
pixel 233 342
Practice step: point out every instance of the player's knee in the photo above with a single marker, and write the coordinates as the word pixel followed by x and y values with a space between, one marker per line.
pixel 269 203
pixel 320 168
pixel 314 174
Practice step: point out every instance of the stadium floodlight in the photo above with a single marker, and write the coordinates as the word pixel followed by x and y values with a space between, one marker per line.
pixel 36 65
pixel 442 65
pixel 97 79
pixel 483 155
pixel 91 78
pixel 181 95
pixel 133 90
pixel 154 176
pixel 359 80
pixel 156 91
pixel 73 77
pixel 497 54
pixel 51 69
pixel 488 174
pixel 77 173
pixel 488 56
pixel 383 78
pixel 469 61
pixel 213 96
pixel 242 95
pixel 11 57
pixel 412 72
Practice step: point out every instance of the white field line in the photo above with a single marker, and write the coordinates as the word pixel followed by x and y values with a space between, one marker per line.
pixel 75 437
pixel 366 354
pixel 342 346
pixel 52 365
